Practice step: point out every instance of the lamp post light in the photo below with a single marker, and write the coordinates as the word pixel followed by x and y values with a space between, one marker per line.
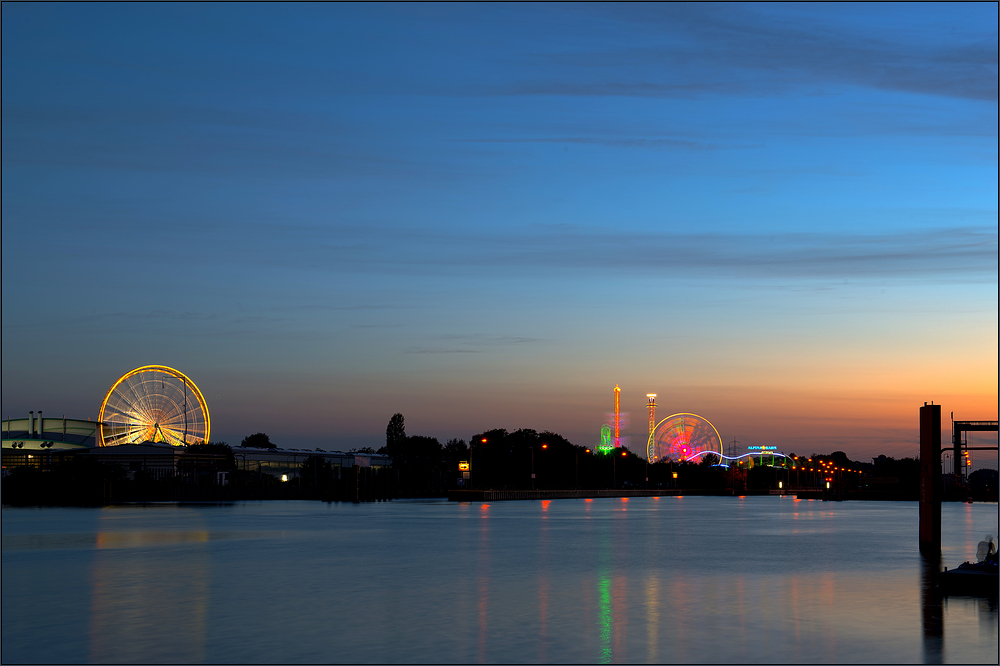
pixel 481 441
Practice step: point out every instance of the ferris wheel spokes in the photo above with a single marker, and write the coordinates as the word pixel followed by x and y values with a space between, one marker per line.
pixel 154 403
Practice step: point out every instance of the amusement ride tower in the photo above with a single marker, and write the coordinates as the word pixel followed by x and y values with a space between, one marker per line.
pixel 617 420
pixel 652 412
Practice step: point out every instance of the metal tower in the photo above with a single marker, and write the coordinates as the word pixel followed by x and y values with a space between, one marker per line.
pixel 617 421
pixel 652 412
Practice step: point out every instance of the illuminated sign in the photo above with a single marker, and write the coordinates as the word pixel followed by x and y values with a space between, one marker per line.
pixel 761 447
pixel 463 466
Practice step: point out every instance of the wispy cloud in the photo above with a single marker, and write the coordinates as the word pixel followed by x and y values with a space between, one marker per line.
pixel 685 51
pixel 490 340
pixel 623 142
pixel 966 253
pixel 474 343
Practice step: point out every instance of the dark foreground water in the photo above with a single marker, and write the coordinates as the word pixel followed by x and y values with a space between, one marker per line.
pixel 694 579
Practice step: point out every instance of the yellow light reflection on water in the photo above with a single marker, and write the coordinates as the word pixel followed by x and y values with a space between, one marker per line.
pixel 145 605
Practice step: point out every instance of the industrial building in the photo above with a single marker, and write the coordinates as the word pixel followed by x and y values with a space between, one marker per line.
pixel 39 442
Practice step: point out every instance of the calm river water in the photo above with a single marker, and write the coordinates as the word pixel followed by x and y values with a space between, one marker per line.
pixel 692 579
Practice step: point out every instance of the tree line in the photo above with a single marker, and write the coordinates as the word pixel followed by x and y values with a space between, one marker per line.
pixel 422 467
pixel 527 459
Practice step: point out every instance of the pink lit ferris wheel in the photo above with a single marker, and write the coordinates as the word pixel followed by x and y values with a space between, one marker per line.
pixel 683 437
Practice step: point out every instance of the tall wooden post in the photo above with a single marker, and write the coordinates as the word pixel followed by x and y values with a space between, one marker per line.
pixel 930 480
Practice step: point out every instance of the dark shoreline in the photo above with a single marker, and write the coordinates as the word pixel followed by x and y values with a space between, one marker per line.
pixel 825 495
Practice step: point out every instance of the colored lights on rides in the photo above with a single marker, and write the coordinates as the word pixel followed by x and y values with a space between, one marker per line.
pixel 606 444
pixel 684 437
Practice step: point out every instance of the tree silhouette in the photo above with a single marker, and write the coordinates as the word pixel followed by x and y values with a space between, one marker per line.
pixel 454 452
pixel 258 440
pixel 395 434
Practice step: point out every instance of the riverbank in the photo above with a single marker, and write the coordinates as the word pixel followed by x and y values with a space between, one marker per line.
pixel 825 495
pixel 508 495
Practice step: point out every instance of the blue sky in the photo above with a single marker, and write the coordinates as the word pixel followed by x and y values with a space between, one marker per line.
pixel 783 218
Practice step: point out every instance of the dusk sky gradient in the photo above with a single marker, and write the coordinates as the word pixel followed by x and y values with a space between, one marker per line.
pixel 780 217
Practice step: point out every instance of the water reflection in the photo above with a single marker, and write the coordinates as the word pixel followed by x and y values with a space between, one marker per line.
pixel 147 605
pixel 795 607
pixel 109 540
pixel 483 579
pixel 619 617
pixel 653 617
pixel 605 617
pixel 543 585
pixel 619 587
pixel 695 580
pixel 931 611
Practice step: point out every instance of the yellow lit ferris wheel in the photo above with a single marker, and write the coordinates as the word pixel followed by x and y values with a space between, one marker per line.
pixel 154 403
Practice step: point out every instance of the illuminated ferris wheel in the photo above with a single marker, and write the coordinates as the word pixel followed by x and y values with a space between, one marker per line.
pixel 154 403
pixel 683 437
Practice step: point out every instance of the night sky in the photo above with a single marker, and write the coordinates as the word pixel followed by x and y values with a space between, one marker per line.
pixel 782 218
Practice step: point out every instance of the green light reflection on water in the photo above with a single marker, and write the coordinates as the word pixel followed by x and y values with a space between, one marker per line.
pixel 606 616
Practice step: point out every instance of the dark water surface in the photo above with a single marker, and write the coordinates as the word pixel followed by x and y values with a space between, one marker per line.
pixel 693 579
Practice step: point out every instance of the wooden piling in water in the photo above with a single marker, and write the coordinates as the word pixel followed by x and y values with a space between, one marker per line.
pixel 930 480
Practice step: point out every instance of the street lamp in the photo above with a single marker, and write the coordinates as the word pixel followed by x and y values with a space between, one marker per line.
pixel 482 441
pixel 578 466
